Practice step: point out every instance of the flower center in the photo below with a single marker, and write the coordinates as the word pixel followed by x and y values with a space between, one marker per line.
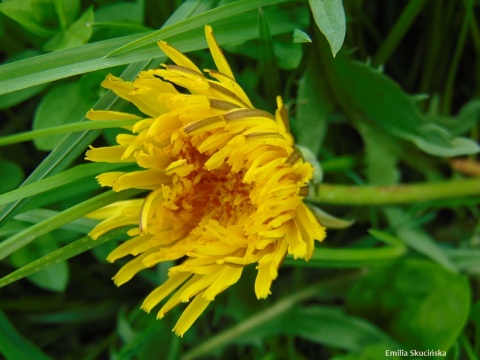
pixel 204 195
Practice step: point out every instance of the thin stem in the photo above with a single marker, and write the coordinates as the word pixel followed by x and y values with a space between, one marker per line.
pixel 468 348
pixel 395 195
pixel 398 31
pixel 447 97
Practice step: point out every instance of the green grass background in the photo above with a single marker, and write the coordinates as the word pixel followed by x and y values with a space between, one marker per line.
pixel 383 97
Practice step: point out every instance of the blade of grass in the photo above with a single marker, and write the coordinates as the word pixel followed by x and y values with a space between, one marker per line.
pixel 396 34
pixel 198 21
pixel 49 66
pixel 416 238
pixel 80 225
pixel 14 346
pixel 64 129
pixel 52 182
pixel 72 146
pixel 268 65
pixel 75 248
pixel 447 95
pixel 26 236
pixel 62 64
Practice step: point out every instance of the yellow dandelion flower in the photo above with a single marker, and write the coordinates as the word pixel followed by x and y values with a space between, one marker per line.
pixel 225 184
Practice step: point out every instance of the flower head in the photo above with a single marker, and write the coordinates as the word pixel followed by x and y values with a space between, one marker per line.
pixel 225 184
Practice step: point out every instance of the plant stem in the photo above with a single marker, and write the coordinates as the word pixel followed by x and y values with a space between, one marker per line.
pixel 395 195
pixel 398 31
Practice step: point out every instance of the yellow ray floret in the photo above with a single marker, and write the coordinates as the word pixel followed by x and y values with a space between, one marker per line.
pixel 224 185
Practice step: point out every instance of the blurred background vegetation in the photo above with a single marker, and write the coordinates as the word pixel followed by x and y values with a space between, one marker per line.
pixel 399 104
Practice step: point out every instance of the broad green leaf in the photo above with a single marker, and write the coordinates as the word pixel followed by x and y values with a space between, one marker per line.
pixel 14 346
pixel 82 245
pixel 331 326
pixel 314 104
pixel 55 277
pixel 77 34
pixel 362 90
pixel 288 56
pixel 300 36
pixel 67 11
pixel 419 303
pixel 23 238
pixel 380 156
pixel 120 12
pixel 467 117
pixel 62 105
pixel 11 175
pixel 330 19
pixel 30 15
pixel 416 238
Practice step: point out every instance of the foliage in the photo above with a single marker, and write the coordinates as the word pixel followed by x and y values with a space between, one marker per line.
pixel 383 97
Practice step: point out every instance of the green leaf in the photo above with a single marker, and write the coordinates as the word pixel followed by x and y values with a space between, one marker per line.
pixel 416 238
pixel 14 346
pixel 12 176
pixel 330 19
pixel 288 56
pixel 362 90
pixel 74 144
pixel 419 303
pixel 120 12
pixel 90 57
pixel 314 104
pixel 197 21
pixel 62 105
pixel 380 156
pixel 17 97
pixel 64 129
pixel 81 225
pixel 300 36
pixel 467 117
pixel 46 262
pixel 268 65
pixel 67 11
pixel 77 34
pixel 330 326
pixel 465 259
pixel 30 15
pixel 26 236
pixel 53 278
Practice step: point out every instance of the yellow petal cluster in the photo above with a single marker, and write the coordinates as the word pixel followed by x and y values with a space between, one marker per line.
pixel 225 185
